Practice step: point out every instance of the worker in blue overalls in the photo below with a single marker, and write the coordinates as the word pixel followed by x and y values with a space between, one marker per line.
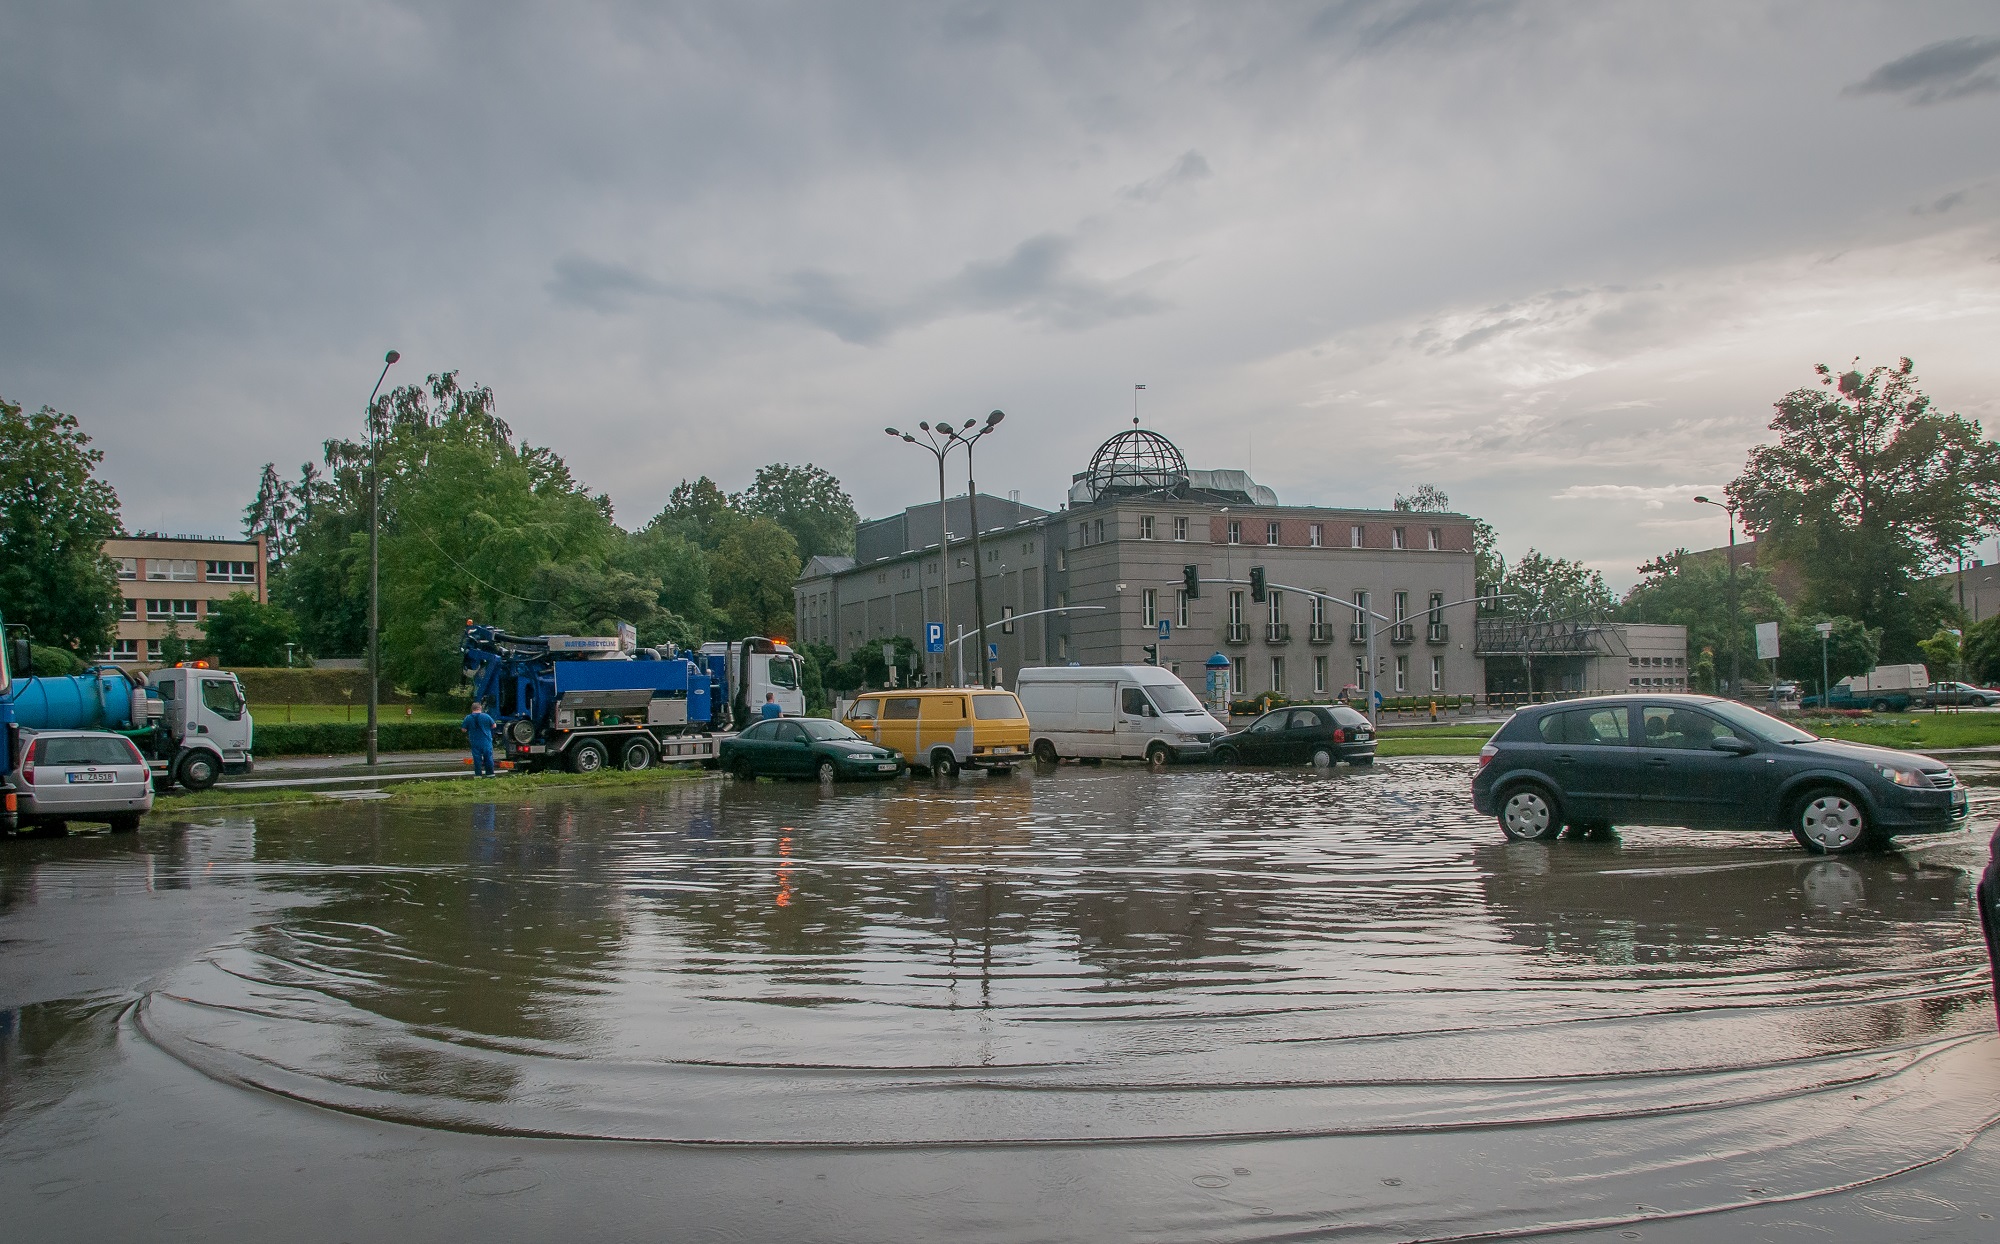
pixel 479 733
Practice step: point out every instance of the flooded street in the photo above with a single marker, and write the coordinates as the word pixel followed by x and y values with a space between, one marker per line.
pixel 1082 1002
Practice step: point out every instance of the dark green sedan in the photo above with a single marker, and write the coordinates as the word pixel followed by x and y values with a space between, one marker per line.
pixel 806 747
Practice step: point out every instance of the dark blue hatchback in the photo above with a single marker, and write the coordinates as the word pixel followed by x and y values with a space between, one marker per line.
pixel 1704 763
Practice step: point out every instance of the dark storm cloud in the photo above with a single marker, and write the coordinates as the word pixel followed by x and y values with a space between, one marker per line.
pixel 1191 167
pixel 1035 282
pixel 1938 73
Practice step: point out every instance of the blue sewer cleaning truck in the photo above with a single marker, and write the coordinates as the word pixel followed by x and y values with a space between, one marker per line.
pixel 190 721
pixel 587 702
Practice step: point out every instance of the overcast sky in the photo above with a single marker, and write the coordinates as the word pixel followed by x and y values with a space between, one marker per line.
pixel 1558 259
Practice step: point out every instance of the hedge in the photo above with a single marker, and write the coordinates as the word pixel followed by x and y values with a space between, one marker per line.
pixel 301 686
pixel 1396 704
pixel 316 738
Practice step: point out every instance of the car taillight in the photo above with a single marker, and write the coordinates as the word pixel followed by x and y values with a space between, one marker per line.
pixel 1486 755
pixel 1339 735
pixel 28 776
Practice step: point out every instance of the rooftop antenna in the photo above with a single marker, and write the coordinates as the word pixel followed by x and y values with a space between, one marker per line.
pixel 1135 404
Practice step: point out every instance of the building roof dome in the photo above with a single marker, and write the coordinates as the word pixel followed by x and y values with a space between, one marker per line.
pixel 1136 461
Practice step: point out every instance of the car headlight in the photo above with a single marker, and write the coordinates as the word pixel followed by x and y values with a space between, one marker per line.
pixel 1902 777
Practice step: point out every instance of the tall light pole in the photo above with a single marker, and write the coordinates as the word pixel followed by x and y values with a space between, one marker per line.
pixel 375 556
pixel 1735 631
pixel 938 441
pixel 972 501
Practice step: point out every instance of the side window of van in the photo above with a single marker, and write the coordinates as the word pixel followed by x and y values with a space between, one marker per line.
pixel 861 710
pixel 1135 703
pixel 901 708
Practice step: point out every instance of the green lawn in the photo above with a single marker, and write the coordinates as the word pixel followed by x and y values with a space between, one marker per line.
pixel 1914 731
pixel 438 792
pixel 273 714
pixel 1430 745
pixel 1443 729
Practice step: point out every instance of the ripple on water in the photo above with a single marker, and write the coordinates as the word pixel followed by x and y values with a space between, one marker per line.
pixel 1343 968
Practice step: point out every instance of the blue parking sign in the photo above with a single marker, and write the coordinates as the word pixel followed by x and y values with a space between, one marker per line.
pixel 1166 629
pixel 933 637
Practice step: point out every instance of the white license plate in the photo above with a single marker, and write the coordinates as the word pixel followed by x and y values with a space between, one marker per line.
pixel 82 778
pixel 887 768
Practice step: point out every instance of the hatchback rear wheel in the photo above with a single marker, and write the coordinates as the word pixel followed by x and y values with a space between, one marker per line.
pixel 1530 812
pixel 1829 821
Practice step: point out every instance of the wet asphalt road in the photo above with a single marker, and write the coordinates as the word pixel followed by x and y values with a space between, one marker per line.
pixel 1081 1003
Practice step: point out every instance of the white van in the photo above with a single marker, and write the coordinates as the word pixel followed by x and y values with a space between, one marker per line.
pixel 1131 711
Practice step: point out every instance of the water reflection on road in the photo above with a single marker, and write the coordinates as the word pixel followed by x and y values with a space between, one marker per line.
pixel 1343 972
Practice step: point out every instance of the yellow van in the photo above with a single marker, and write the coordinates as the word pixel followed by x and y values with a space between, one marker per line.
pixel 944 730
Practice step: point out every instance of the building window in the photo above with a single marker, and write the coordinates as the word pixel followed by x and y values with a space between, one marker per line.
pixel 1270 533
pixel 1313 535
pixel 1236 609
pixel 1149 606
pixel 1027 548
pixel 1180 527
pixel 1402 607
pixel 1236 679
pixel 1396 540
pixel 123 650
pixel 1235 532
pixel 1402 675
pixel 232 572
pixel 1354 535
pixel 1181 608
pixel 1062 559
pixel 1006 619
pixel 1436 539
pixel 1278 675
pixel 1277 602
pixel 153 650
pixel 167 570
pixel 1062 647
pixel 1318 612
pixel 128 568
pixel 1083 533
pixel 1098 537
pixel 128 610
pixel 1319 675
pixel 1145 526
pixel 1361 615
pixel 172 610
pixel 1437 673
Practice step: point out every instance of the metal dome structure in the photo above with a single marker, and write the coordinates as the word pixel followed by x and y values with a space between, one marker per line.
pixel 1136 461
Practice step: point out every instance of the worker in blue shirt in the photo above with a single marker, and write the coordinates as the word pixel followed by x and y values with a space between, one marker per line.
pixel 771 706
pixel 479 732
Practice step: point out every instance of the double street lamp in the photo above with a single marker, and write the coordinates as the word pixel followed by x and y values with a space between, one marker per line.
pixel 1735 632
pixel 375 555
pixel 939 441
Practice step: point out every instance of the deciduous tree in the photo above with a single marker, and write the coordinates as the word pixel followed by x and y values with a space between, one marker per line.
pixel 55 515
pixel 806 501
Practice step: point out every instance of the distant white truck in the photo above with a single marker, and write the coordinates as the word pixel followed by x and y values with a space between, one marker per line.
pixel 1885 689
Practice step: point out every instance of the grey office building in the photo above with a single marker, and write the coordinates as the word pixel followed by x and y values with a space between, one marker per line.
pixel 1135 518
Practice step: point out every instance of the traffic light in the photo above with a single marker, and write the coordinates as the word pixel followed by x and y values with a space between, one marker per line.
pixel 1257 583
pixel 1191 576
pixel 1152 652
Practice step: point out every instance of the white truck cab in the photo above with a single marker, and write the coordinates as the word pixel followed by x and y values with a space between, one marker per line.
pixel 207 722
pixel 1127 711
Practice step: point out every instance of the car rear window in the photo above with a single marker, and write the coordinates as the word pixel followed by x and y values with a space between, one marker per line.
pixel 996 707
pixel 1345 716
pixel 103 749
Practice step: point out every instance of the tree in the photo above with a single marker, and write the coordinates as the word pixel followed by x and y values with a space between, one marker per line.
pixel 753 569
pixel 273 514
pixel 1682 589
pixel 1850 650
pixel 1943 655
pixel 1488 565
pixel 243 631
pixel 806 501
pixel 699 512
pixel 1549 589
pixel 1981 651
pixel 677 565
pixel 1868 487
pixel 1427 499
pixel 55 515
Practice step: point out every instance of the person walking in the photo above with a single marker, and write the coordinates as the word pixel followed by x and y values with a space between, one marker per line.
pixel 479 733
pixel 771 706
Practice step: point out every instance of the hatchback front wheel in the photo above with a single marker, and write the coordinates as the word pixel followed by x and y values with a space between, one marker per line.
pixel 1530 813
pixel 1829 822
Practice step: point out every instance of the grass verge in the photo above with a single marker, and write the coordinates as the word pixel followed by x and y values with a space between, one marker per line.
pixel 345 714
pixel 1432 745
pixel 437 792
pixel 1912 732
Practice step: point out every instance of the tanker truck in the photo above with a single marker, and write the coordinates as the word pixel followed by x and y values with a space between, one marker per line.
pixel 189 721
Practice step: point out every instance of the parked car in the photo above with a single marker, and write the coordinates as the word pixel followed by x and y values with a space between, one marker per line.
pixel 1785 693
pixel 1955 695
pixel 83 775
pixel 1112 711
pixel 945 729
pixel 1315 734
pixel 806 747
pixel 1704 763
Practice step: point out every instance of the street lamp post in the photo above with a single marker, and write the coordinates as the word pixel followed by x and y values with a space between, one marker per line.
pixel 972 501
pixel 1735 631
pixel 375 556
pixel 938 441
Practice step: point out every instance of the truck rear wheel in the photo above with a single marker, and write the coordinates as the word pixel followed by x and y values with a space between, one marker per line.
pixel 587 757
pixel 197 770
pixel 638 755
pixel 1880 706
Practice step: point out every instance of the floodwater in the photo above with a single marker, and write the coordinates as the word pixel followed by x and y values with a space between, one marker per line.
pixel 1075 1003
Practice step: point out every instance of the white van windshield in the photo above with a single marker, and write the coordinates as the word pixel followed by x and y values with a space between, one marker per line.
pixel 1174 698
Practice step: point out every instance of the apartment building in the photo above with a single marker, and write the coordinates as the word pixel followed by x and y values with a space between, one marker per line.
pixel 169 583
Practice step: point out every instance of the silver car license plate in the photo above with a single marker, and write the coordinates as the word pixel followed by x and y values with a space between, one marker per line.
pixel 80 778
pixel 887 768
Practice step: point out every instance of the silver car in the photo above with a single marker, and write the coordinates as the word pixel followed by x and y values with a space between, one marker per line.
pixel 83 775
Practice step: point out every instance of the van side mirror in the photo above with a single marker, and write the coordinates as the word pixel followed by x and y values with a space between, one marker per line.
pixel 1734 746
